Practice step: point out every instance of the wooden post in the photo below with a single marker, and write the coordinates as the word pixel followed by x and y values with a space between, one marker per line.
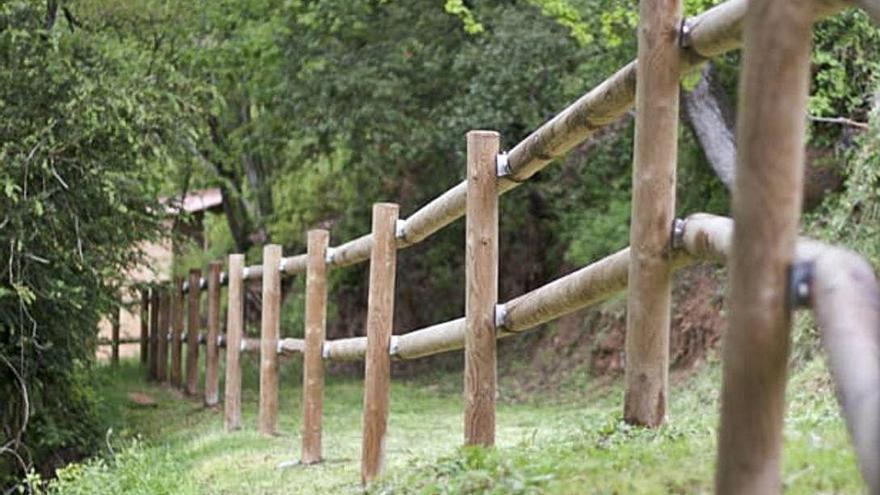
pixel 212 351
pixel 145 325
pixel 192 333
pixel 154 332
pixel 114 349
pixel 380 321
pixel 234 331
pixel 177 305
pixel 162 343
pixel 481 271
pixel 653 210
pixel 774 84
pixel 269 329
pixel 313 361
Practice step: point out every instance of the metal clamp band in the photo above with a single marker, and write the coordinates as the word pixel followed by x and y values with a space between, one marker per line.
pixel 393 349
pixel 677 240
pixel 400 228
pixel 328 256
pixel 800 279
pixel 500 316
pixel 502 165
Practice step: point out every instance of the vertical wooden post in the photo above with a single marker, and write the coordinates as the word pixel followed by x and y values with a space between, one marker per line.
pixel 212 351
pixel 774 84
pixel 481 288
pixel 313 361
pixel 269 328
pixel 192 333
pixel 234 332
pixel 114 348
pixel 154 332
pixel 162 344
pixel 653 210
pixel 145 325
pixel 177 327
pixel 380 321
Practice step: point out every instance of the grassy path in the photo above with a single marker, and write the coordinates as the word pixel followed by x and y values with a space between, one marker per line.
pixel 569 442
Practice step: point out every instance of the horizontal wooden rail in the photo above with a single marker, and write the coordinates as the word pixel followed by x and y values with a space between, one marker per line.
pixel 712 33
pixel 122 340
pixel 704 237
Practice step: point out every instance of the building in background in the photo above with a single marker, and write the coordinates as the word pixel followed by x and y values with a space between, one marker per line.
pixel 160 257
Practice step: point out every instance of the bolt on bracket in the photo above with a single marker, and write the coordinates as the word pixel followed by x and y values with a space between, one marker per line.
pixel 328 256
pixel 677 239
pixel 800 282
pixel 502 165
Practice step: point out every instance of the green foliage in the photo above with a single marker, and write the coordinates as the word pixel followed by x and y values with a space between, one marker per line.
pixel 852 217
pixel 574 442
pixel 459 9
pixel 83 146
pixel 845 66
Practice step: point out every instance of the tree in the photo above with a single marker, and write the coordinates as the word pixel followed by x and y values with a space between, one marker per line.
pixel 83 146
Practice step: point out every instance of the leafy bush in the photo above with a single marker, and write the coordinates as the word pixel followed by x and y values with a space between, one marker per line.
pixel 82 152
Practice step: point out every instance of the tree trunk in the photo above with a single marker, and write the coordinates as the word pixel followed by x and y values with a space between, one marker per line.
pixel 710 117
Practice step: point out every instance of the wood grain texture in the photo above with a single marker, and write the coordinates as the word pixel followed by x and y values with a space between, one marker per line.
pixel 145 326
pixel 313 361
pixel 212 352
pixel 380 319
pixel 774 85
pixel 154 333
pixel 653 209
pixel 162 342
pixel 481 288
pixel 234 332
pixel 177 329
pixel 269 330
pixel 192 334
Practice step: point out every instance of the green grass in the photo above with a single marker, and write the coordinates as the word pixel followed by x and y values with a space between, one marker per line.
pixel 569 440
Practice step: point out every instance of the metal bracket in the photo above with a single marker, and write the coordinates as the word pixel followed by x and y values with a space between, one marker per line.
pixel 203 284
pixel 244 273
pixel 400 228
pixel 500 316
pixel 242 346
pixel 223 278
pixel 393 349
pixel 800 280
pixel 325 351
pixel 169 337
pixel 678 226
pixel 502 165
pixel 278 347
pixel 283 265
pixel 328 256
pixel 684 33
pixel 220 341
pixel 185 287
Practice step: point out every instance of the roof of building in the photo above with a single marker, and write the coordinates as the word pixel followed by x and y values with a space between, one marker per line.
pixel 196 201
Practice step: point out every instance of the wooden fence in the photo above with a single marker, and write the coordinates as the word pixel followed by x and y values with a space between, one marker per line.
pixel 772 271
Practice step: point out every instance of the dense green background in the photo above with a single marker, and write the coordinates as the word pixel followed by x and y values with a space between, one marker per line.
pixel 304 113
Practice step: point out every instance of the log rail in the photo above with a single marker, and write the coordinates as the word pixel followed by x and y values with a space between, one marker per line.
pixel 839 285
